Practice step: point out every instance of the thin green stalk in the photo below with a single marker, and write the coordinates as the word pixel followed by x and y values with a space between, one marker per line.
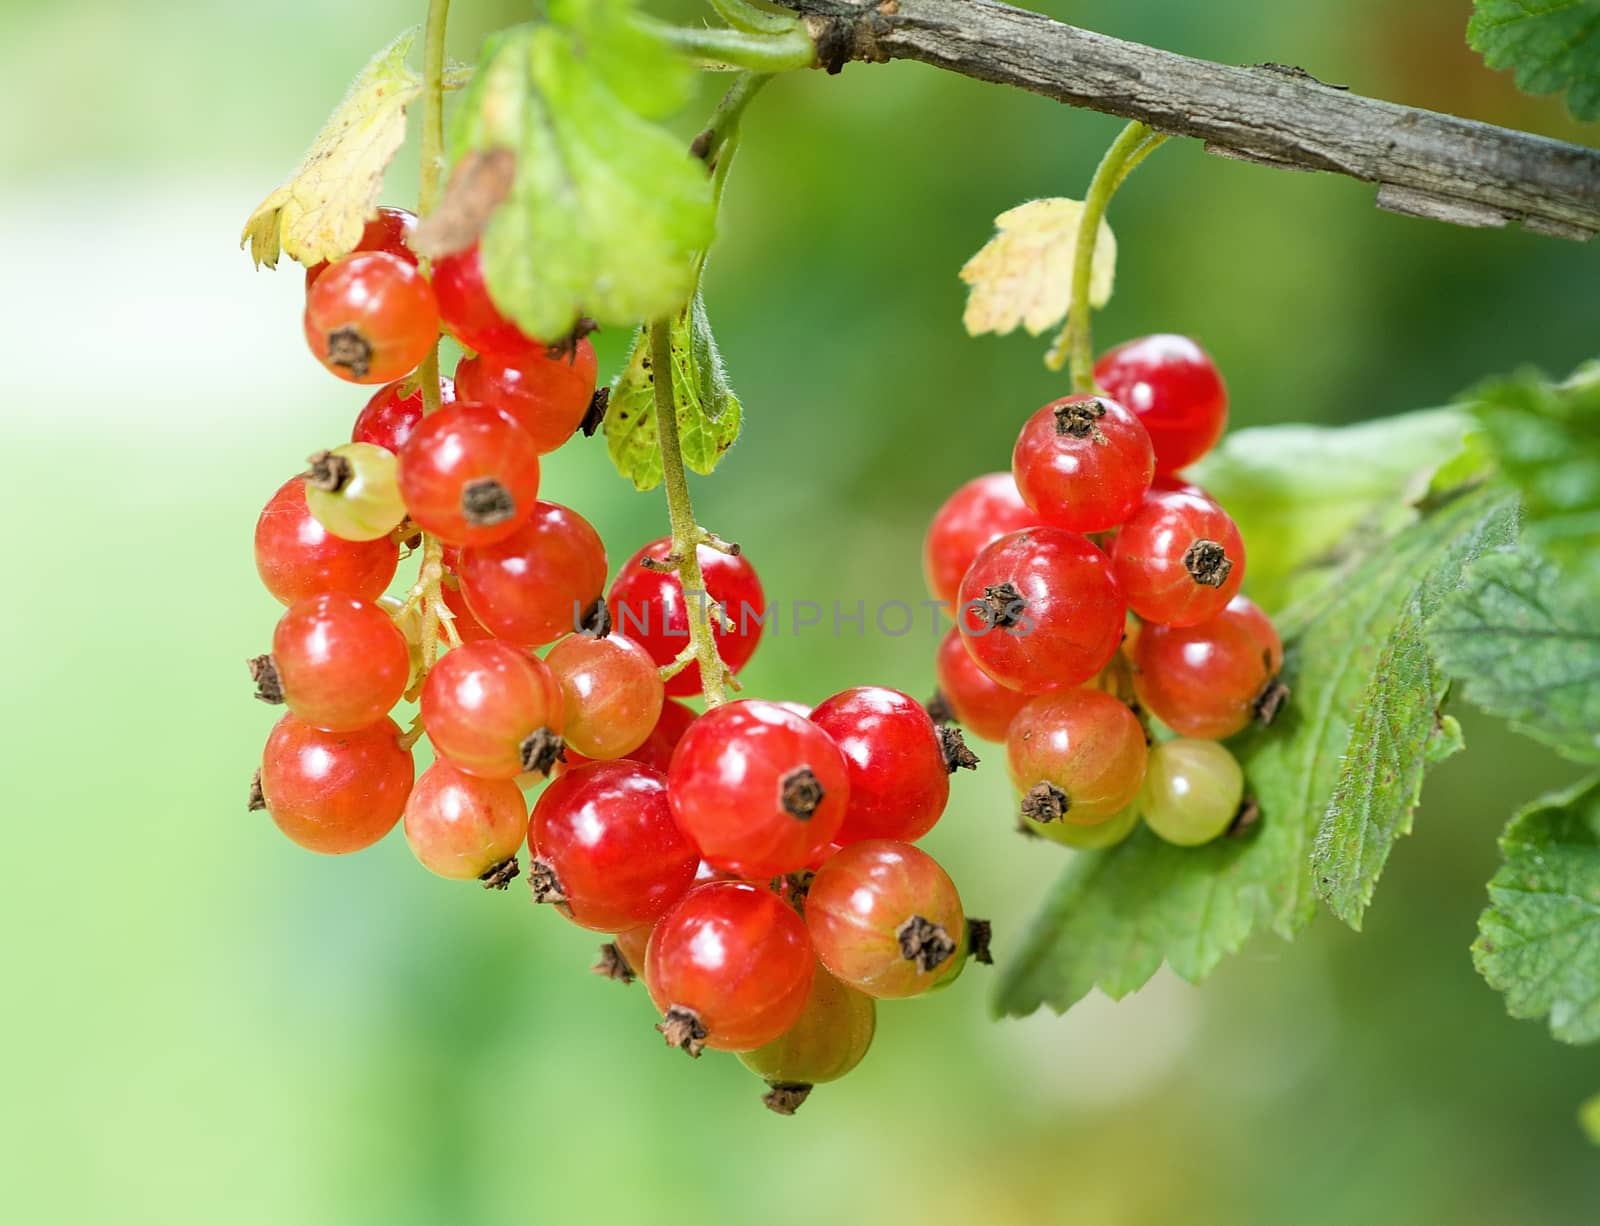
pixel 1135 143
pixel 434 612
pixel 742 15
pixel 719 48
pixel 723 125
pixel 686 534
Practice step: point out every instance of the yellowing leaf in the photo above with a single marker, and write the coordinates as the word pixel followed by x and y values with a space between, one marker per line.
pixel 1023 275
pixel 319 212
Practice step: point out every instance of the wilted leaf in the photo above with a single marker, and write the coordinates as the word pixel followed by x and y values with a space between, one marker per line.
pixel 1023 275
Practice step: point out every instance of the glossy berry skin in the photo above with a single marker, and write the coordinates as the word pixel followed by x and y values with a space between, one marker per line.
pixel 649 607
pixel 983 509
pixel 460 826
pixel 1108 833
pixel 470 315
pixel 1179 560
pixel 980 704
pixel 613 693
pixel 389 230
pixel 467 626
pixel 1204 681
pixel 546 395
pixel 899 781
pixel 540 581
pixel 371 318
pixel 483 701
pixel 1084 748
pixel 1040 609
pixel 605 832
pixel 342 663
pixel 737 957
pixel 335 792
pixel 353 493
pixel 1191 791
pixel 656 751
pixel 297 557
pixel 861 911
pixel 745 780
pixel 389 419
pixel 1083 463
pixel 469 474
pixel 1173 387
pixel 831 1038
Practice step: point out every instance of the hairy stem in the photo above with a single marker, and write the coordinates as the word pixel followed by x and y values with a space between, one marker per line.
pixel 734 49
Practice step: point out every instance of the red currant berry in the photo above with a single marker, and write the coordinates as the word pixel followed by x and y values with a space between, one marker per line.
pixel 467 627
pixel 469 474
pixel 606 848
pixel 1191 792
pixel 657 749
pixel 830 1039
pixel 649 607
pixel 885 918
pixel 899 776
pixel 975 700
pixel 463 827
pixel 1040 609
pixel 613 693
pixel 757 788
pixel 546 395
pixel 1076 756
pixel 538 583
pixel 1209 681
pixel 1083 463
pixel 337 662
pixel 493 710
pixel 470 315
pixel 1179 560
pixel 981 510
pixel 389 230
pixel 297 557
pixel 371 318
pixel 730 967
pixel 1170 382
pixel 335 792
pixel 389 418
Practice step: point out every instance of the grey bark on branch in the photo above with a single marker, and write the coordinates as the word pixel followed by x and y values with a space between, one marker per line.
pixel 1425 164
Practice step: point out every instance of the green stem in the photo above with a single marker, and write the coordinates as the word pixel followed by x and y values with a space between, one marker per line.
pixel 686 534
pixel 1076 342
pixel 726 48
pixel 723 125
pixel 742 15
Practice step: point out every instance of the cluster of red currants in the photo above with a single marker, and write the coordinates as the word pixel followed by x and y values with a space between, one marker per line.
pixel 756 863
pixel 1043 567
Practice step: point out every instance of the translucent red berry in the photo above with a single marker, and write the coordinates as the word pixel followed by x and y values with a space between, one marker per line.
pixel 388 419
pixel 469 314
pixel 493 710
pixel 1210 681
pixel 335 792
pixel 371 318
pixel 469 474
pixel 885 918
pixel 468 627
pixel 1173 387
pixel 606 849
pixel 831 1038
pixel 337 662
pixel 980 704
pixel 648 605
pixel 538 583
pixel 297 557
pixel 656 751
pixel 899 774
pixel 1179 560
pixel 1077 756
pixel 547 394
pixel 464 827
pixel 389 230
pixel 613 693
pixel 758 788
pixel 1040 609
pixel 730 966
pixel 1083 463
pixel 983 509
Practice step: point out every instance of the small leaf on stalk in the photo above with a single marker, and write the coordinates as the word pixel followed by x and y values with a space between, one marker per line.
pixel 1023 275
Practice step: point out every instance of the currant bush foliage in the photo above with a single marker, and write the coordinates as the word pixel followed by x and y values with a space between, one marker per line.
pixel 1551 44
pixel 606 209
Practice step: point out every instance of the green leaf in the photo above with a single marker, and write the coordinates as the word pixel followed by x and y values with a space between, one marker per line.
pixel 1303 495
pixel 1589 1119
pixel 606 209
pixel 709 414
pixel 1115 916
pixel 1539 940
pixel 1552 45
pixel 1526 640
pixel 1546 438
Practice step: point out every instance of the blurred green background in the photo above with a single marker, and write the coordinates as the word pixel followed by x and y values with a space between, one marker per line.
pixel 204 1024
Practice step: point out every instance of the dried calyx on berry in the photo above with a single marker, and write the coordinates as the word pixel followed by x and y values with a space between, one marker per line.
pixel 485 502
pixel 802 793
pixel 1002 605
pixel 785 1097
pixel 1208 563
pixel 264 672
pixel 682 1028
pixel 541 750
pixel 1045 802
pixel 544 884
pixel 1080 418
pixel 613 964
pixel 326 471
pixel 957 754
pixel 499 876
pixel 925 943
